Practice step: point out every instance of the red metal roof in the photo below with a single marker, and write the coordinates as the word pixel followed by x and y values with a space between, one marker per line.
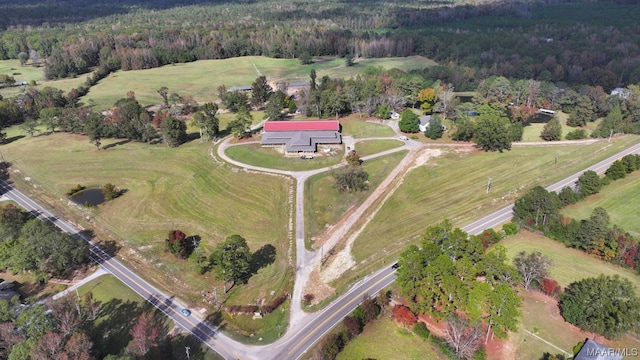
pixel 332 125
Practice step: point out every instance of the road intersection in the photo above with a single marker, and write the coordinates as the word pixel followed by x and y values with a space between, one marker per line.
pixel 305 329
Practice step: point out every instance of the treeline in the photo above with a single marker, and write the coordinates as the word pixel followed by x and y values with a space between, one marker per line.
pixel 574 51
pixel 539 209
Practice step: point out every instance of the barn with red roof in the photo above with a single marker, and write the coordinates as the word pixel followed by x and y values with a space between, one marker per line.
pixel 301 136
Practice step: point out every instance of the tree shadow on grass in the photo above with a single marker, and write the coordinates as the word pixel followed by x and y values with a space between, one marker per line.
pixel 110 333
pixel 115 144
pixel 12 139
pixel 263 257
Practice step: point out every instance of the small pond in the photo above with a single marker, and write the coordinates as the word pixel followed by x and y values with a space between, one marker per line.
pixel 93 196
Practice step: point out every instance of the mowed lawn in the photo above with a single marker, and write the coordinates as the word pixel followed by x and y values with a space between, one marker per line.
pixel 569 265
pixel 370 147
pixel 166 188
pixel 532 131
pixel 255 154
pixel 620 198
pixel 120 308
pixel 325 205
pixel 385 339
pixel 541 316
pixel 354 125
pixel 453 186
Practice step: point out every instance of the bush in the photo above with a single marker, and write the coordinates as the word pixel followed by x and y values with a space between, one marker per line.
pixel 353 325
pixel 510 228
pixel 616 171
pixel 550 287
pixel 404 315
pixel 75 189
pixel 577 134
pixel 266 309
pixel 308 298
pixel 489 237
pixel 421 330
pixel 568 196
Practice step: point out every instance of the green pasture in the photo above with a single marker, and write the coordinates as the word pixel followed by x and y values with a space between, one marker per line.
pixel 453 186
pixel 255 154
pixel 370 147
pixel 540 315
pixel 325 205
pixel 120 308
pixel 532 131
pixel 357 127
pixel 29 73
pixel 20 73
pixel 569 265
pixel 620 198
pixel 385 339
pixel 201 79
pixel 166 188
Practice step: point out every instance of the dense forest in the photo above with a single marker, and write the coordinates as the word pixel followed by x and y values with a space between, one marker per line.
pixel 592 43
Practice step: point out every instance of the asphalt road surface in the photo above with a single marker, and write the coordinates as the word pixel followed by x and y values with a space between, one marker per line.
pixel 300 338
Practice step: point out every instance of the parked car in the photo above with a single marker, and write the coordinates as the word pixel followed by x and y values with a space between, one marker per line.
pixel 403 138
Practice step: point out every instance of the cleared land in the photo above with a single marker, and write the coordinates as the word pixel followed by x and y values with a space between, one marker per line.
pixel 120 309
pixel 201 79
pixel 180 188
pixel 371 147
pixel 358 128
pixel 620 198
pixel 28 73
pixel 255 154
pixel 569 265
pixel 385 339
pixel 532 131
pixel 453 186
pixel 324 205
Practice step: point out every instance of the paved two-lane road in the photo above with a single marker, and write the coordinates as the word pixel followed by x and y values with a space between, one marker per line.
pixel 300 337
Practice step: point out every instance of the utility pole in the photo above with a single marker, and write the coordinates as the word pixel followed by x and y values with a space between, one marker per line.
pixel 187 348
pixel 610 134
pixel 488 185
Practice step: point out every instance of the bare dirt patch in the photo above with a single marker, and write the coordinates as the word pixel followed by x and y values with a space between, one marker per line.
pixel 343 260
pixel 317 287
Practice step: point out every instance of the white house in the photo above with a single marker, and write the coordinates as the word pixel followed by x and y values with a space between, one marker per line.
pixel 424 122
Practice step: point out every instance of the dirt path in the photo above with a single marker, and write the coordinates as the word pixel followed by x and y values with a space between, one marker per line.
pixel 343 260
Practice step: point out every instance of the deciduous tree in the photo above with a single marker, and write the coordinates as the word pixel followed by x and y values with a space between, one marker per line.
pixel 351 178
pixel 533 266
pixel 464 339
pixel 145 333
pixel 492 130
pixel 174 131
pixel 589 183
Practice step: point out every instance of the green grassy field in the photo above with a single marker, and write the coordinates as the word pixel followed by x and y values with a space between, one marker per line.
pixel 29 73
pixel 120 308
pixel 619 198
pixel 357 127
pixel 166 188
pixel 324 205
pixel 371 147
pixel 532 131
pixel 385 339
pixel 541 317
pixel 255 154
pixel 201 79
pixel 453 186
pixel 569 265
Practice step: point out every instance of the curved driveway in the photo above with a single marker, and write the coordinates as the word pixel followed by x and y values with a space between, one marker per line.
pixel 304 329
